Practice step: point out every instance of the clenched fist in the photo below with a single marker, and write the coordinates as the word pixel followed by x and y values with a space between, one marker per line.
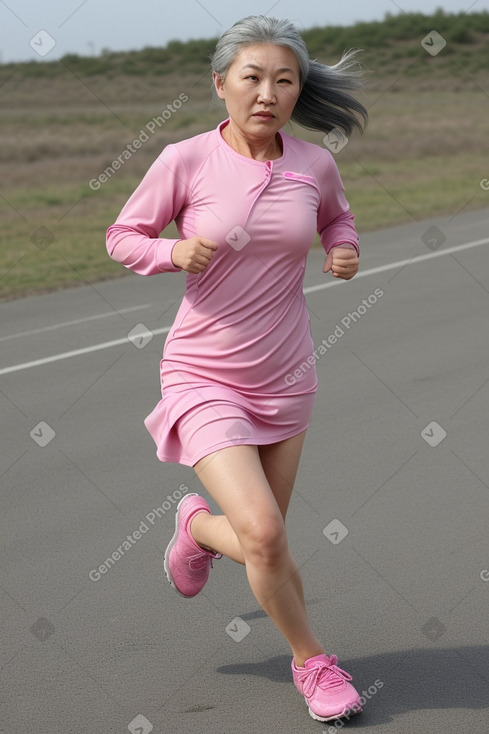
pixel 342 261
pixel 193 255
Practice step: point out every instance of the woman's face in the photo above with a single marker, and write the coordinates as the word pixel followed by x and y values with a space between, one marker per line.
pixel 261 89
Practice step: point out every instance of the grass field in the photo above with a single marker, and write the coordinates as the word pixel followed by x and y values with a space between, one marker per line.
pixel 422 154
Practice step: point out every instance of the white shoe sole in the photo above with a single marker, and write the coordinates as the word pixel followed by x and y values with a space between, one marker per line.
pixel 347 713
pixel 170 545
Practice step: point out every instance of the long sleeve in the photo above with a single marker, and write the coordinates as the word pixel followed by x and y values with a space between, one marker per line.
pixel 335 220
pixel 133 239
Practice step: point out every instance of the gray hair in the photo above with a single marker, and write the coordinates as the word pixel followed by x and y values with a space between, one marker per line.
pixel 324 102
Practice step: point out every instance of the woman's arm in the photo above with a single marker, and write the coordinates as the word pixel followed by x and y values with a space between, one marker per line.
pixel 335 221
pixel 133 239
pixel 336 226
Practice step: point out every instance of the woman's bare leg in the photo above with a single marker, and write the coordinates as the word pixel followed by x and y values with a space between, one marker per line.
pixel 254 507
pixel 280 462
pixel 214 533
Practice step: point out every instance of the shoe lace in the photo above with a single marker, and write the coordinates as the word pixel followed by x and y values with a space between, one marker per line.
pixel 323 675
pixel 198 562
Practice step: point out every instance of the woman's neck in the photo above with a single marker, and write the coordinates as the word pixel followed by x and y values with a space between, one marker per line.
pixel 259 149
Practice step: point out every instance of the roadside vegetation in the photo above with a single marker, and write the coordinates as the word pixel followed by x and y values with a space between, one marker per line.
pixel 65 122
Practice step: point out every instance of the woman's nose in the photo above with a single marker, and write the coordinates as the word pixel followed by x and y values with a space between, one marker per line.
pixel 266 94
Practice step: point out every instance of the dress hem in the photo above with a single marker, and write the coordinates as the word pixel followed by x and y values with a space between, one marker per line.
pixel 185 461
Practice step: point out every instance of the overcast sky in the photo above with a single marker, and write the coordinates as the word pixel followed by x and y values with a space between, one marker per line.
pixel 31 29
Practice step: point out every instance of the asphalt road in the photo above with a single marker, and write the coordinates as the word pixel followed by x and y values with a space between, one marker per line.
pixel 388 521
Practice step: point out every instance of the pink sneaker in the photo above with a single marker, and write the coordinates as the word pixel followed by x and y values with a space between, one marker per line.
pixel 326 689
pixel 186 564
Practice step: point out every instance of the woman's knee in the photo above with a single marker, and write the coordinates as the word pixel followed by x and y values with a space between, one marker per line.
pixel 264 540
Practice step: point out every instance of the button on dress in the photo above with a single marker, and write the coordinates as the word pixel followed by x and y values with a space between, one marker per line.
pixel 243 325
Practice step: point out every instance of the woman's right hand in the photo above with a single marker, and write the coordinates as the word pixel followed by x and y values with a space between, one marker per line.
pixel 193 255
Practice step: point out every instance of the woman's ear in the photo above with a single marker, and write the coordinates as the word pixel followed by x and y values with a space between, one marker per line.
pixel 219 84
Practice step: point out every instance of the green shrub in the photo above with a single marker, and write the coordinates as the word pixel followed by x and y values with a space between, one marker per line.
pixel 400 35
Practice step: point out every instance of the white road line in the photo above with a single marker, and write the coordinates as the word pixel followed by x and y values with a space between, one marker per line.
pixel 76 353
pixel 74 322
pixel 400 264
pixel 311 289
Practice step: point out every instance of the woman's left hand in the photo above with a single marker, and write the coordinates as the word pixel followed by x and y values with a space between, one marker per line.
pixel 342 262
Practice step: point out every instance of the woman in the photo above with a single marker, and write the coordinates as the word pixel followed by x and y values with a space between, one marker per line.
pixel 247 200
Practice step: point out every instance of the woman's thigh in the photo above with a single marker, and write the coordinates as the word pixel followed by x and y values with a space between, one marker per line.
pixel 252 485
pixel 236 480
pixel 280 463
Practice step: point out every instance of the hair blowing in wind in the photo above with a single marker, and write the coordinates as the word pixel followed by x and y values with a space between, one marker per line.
pixel 325 101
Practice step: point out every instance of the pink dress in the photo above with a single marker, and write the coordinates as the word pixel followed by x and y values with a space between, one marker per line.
pixel 243 325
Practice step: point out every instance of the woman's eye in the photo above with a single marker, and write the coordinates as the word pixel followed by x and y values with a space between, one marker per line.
pixel 253 78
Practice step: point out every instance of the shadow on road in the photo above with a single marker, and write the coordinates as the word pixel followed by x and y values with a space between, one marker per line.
pixel 417 679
